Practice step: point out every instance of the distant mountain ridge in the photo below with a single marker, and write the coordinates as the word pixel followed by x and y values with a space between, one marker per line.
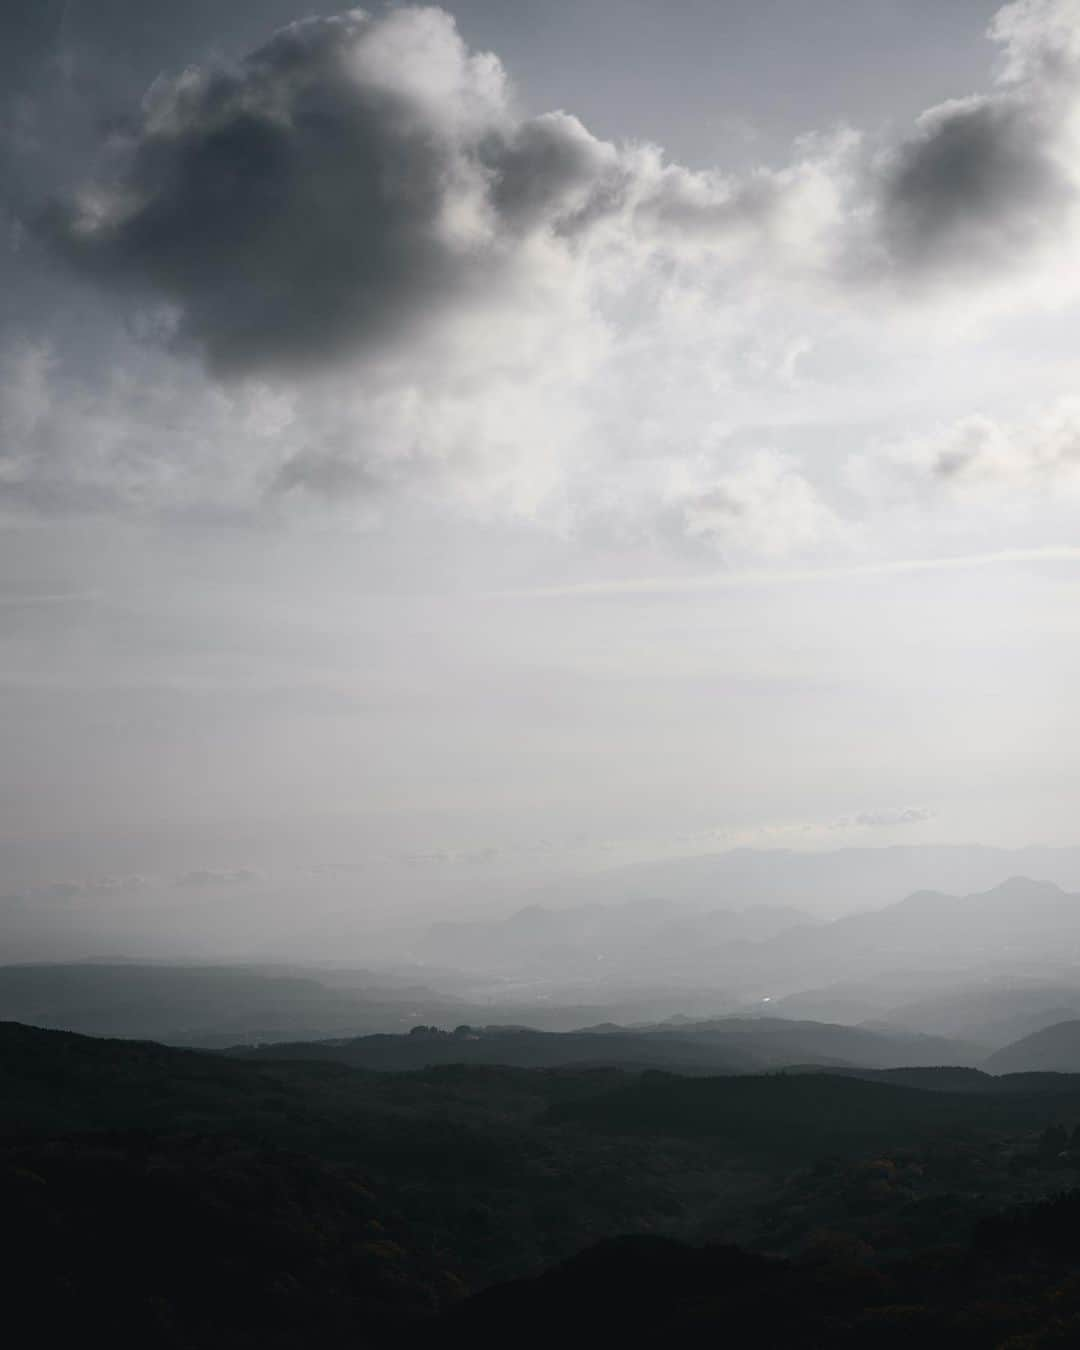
pixel 1018 920
pixel 653 937
pixel 979 971
pixel 828 884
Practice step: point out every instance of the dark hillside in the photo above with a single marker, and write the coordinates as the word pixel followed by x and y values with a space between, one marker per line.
pixel 806 1115
pixel 191 1200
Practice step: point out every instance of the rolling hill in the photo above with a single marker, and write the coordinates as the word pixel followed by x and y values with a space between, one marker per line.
pixel 1053 1049
pixel 725 1045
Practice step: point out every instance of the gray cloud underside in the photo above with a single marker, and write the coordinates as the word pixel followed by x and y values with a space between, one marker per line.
pixel 308 203
pixel 978 188
pixel 287 209
pixel 356 178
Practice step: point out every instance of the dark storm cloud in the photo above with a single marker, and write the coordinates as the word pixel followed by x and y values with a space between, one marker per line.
pixel 285 207
pixel 980 185
pixel 315 199
pixel 354 180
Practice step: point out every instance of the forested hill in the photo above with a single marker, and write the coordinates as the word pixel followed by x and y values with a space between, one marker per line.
pixel 186 1199
pixel 1011 1283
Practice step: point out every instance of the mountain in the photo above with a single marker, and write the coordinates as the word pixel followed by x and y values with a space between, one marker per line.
pixel 961 967
pixel 776 1042
pixel 994 1011
pixel 517 1048
pixel 184 1198
pixel 848 1003
pixel 1010 1282
pixel 1054 1049
pixel 1017 925
pixel 219 1005
pixel 649 939
pixel 1017 921
pixel 729 1045
pixel 826 884
pixel 804 1116
pixel 211 1005
pixel 773 952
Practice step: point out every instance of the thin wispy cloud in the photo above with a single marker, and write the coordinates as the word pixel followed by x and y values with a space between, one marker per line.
pixel 750 578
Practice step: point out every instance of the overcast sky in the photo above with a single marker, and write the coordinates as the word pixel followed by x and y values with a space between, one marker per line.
pixel 506 438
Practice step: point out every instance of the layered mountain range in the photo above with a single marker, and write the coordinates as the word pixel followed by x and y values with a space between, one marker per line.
pixel 770 951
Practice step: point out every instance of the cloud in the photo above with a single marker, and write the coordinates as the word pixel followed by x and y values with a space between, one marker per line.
pixel 979 187
pixel 988 181
pixel 315 197
pixel 325 473
pixel 987 462
pixel 406 290
pixel 764 506
pixel 357 184
pixel 1040 40
pixel 136 433
pixel 356 181
pixel 892 815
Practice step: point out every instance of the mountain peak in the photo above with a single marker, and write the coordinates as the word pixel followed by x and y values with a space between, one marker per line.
pixel 1020 885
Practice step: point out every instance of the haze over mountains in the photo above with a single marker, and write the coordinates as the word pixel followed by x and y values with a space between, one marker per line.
pixel 1019 926
pixel 1051 1049
pixel 739 982
pixel 241 908
pixel 828 884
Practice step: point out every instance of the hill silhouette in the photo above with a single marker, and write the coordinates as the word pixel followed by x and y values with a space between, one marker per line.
pixel 736 1044
pixel 1054 1049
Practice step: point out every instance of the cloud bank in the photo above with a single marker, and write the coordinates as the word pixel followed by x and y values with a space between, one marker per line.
pixel 356 180
pixel 404 287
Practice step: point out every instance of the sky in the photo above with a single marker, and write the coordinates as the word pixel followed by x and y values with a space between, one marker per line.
pixel 468 444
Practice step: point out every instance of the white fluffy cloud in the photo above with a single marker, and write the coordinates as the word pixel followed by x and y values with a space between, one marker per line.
pixel 763 506
pixel 981 460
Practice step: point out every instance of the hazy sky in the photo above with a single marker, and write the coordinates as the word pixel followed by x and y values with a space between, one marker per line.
pixel 507 438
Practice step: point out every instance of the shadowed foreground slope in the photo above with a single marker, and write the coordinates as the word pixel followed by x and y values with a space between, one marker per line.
pixel 185 1199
